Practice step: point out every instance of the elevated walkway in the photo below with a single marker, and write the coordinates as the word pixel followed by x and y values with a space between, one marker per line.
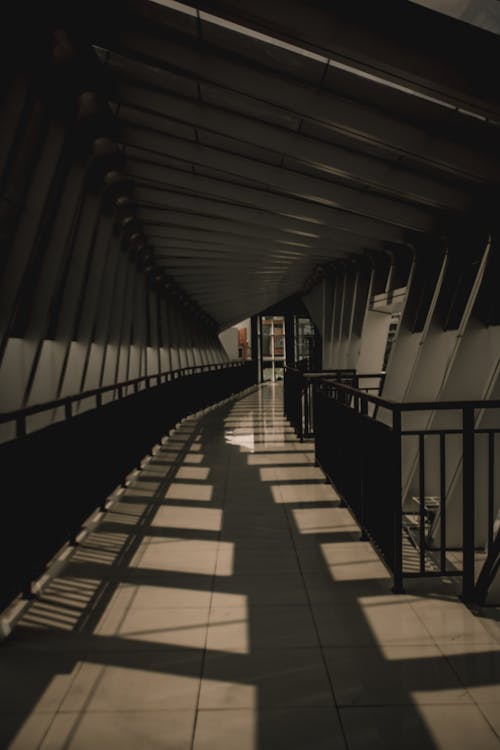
pixel 224 601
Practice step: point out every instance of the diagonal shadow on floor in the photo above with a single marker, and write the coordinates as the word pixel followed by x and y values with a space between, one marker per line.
pixel 236 607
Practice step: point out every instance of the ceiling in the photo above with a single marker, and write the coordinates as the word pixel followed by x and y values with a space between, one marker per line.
pixel 265 139
pixel 482 13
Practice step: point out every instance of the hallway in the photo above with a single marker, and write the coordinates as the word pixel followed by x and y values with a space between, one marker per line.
pixel 224 601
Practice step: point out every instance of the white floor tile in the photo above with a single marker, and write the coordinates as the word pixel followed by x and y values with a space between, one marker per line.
pixel 121 730
pixel 368 623
pixel 393 675
pixel 293 677
pixel 418 728
pixel 451 621
pixel 214 604
pixel 478 667
pixel 271 729
pixel 140 680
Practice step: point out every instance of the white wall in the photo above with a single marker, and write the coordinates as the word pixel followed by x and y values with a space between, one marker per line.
pixel 373 341
pixel 229 340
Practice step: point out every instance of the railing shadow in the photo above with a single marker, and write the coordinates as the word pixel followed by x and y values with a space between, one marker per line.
pixel 274 626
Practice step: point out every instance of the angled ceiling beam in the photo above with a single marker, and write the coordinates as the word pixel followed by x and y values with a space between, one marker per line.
pixel 169 180
pixel 340 196
pixel 406 42
pixel 156 204
pixel 201 250
pixel 373 172
pixel 196 256
pixel 180 259
pixel 352 118
pixel 169 220
pixel 220 239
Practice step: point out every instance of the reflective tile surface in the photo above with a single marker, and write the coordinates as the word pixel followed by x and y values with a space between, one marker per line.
pixel 225 601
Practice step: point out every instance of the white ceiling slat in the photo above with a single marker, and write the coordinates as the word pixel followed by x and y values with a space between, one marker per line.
pixel 367 169
pixel 308 188
pixel 223 196
pixel 357 120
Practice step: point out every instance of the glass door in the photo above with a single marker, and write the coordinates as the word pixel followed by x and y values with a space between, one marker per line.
pixel 272 347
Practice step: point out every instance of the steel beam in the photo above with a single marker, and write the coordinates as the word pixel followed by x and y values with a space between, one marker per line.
pixel 221 197
pixel 406 43
pixel 170 221
pixel 288 181
pixel 359 121
pixel 372 172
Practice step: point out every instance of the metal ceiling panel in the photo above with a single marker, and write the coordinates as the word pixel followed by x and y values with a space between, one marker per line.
pixel 259 151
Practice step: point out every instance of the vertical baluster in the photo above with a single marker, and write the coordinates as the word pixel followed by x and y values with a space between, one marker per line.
pixel 442 500
pixel 468 503
pixel 364 406
pixel 397 510
pixel 20 426
pixel 304 415
pixel 421 490
pixel 491 487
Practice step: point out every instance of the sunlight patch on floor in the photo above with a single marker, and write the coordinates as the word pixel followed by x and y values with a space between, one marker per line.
pixel 189 491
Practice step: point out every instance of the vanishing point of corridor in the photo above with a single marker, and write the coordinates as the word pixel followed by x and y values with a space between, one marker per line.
pixel 225 601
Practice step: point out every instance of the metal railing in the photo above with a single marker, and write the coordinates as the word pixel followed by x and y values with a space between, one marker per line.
pixel 56 476
pixel 116 391
pixel 420 480
pixel 298 393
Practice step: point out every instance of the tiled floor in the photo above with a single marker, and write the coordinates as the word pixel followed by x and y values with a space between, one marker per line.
pixel 225 602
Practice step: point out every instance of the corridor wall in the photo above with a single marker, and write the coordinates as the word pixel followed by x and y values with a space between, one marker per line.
pixel 353 335
pixel 82 303
pixel 446 350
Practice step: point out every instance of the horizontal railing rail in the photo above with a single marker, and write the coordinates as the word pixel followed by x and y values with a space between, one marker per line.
pixel 298 396
pixel 426 493
pixel 56 476
pixel 298 393
pixel 119 391
pixel 403 406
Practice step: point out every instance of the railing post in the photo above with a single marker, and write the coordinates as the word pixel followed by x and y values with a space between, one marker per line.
pixel 20 426
pixel 303 408
pixel 310 416
pixel 491 488
pixel 468 534
pixel 286 377
pixel 315 389
pixel 68 411
pixel 364 406
pixel 421 494
pixel 397 510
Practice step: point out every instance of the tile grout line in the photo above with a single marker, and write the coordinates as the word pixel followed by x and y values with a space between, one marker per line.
pixel 320 645
pixel 212 589
pixel 153 505
pixel 214 577
pixel 461 682
pixel 156 502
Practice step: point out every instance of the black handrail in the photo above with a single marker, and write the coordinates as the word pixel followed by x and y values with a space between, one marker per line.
pixel 413 405
pixel 65 470
pixel 297 402
pixel 19 415
pixel 298 393
pixel 362 456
